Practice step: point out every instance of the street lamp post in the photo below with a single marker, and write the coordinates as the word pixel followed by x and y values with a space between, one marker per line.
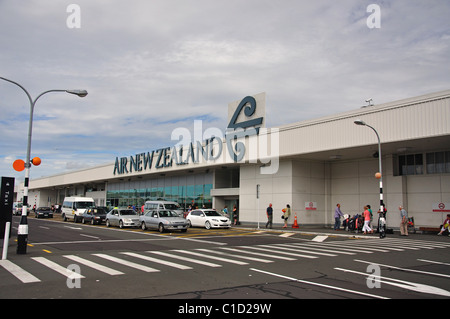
pixel 22 233
pixel 360 122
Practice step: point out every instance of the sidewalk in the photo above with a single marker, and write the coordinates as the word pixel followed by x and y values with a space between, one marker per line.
pixel 329 231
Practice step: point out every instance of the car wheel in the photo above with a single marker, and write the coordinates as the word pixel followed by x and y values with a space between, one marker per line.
pixel 161 228
pixel 107 223
pixel 92 221
pixel 83 221
pixel 207 225
pixel 143 226
pixel 64 218
pixel 189 223
pixel 120 224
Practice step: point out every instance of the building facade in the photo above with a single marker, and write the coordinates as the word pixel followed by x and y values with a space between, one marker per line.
pixel 310 165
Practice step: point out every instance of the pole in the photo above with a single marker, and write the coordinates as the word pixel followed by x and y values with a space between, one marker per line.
pixel 257 196
pixel 22 233
pixel 380 168
pixel 6 241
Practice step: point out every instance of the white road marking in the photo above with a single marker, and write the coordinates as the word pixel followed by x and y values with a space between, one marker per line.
pixel 320 285
pixel 127 263
pixel 94 265
pixel 58 268
pixel 155 260
pixel 204 263
pixel 403 284
pixel 18 272
pixel 212 257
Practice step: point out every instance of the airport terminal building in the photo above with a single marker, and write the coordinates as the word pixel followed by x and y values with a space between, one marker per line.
pixel 310 165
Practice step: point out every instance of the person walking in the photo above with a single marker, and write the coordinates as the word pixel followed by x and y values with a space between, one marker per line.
pixel 269 213
pixel 225 211
pixel 287 213
pixel 366 228
pixel 236 215
pixel 403 222
pixel 371 214
pixel 337 217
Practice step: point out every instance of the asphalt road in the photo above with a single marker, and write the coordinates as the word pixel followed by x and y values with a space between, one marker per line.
pixel 226 265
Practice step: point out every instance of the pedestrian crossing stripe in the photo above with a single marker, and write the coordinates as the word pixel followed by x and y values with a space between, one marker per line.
pixel 195 261
pixel 286 234
pixel 237 255
pixel 18 272
pixel 160 261
pixel 58 268
pixel 127 263
pixel 212 257
pixel 239 250
pixel 94 265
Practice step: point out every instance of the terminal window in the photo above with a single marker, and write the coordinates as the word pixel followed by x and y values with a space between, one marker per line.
pixel 410 164
pixel 438 162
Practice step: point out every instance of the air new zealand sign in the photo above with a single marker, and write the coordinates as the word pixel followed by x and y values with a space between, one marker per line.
pixel 247 119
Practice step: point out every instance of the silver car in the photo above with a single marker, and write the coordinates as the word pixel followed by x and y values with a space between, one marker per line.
pixel 122 217
pixel 163 220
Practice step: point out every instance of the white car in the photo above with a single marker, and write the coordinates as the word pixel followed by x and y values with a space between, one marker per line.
pixel 122 217
pixel 207 218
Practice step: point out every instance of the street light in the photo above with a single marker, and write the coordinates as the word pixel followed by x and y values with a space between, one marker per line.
pixel 22 233
pixel 80 93
pixel 362 123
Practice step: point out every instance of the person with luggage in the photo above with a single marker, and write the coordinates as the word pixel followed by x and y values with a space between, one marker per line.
pixel 403 222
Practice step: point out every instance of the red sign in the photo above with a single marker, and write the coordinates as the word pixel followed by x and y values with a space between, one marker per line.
pixel 441 207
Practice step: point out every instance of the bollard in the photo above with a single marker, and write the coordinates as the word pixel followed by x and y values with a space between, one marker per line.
pixel 6 241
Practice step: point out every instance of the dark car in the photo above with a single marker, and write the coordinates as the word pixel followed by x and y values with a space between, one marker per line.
pixel 94 215
pixel 43 212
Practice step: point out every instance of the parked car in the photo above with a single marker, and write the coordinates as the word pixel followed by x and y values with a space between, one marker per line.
pixel 122 217
pixel 74 207
pixel 163 220
pixel 94 215
pixel 42 212
pixel 163 205
pixel 208 218
pixel 17 209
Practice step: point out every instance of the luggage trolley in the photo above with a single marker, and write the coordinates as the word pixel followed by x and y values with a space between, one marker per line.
pixel 411 225
pixel 382 224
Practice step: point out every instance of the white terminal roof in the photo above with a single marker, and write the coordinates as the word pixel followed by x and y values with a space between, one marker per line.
pixel 410 126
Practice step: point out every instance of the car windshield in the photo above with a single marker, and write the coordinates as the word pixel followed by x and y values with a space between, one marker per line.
pixel 44 208
pixel 83 204
pixel 127 212
pixel 167 213
pixel 172 206
pixel 211 213
pixel 97 211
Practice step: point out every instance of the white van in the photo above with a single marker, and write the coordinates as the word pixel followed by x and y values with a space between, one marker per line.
pixel 163 205
pixel 74 207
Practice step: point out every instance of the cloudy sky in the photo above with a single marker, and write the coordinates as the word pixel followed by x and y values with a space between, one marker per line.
pixel 152 66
